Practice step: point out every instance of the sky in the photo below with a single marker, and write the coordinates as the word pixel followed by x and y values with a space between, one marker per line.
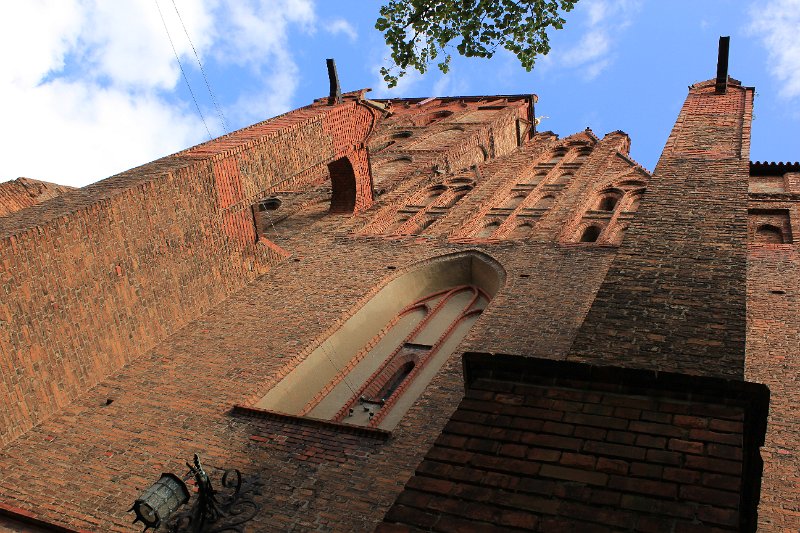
pixel 90 88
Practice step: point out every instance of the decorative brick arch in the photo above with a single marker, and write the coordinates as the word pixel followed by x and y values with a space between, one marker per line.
pixel 351 177
pixel 614 202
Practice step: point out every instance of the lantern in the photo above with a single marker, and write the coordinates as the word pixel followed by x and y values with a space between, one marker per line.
pixel 160 500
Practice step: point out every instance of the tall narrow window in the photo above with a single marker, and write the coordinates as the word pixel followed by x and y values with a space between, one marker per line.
pixel 373 368
pixel 343 184
pixel 444 312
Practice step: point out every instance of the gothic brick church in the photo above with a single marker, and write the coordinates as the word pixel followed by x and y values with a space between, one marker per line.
pixel 413 315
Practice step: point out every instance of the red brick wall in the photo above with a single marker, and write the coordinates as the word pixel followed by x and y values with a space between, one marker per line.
pixel 95 278
pixel 773 338
pixel 675 297
pixel 177 398
pixel 550 446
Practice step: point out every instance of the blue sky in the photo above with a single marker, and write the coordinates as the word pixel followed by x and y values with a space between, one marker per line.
pixel 95 88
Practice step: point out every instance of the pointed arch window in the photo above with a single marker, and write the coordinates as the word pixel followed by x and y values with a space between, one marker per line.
pixel 343 182
pixel 375 366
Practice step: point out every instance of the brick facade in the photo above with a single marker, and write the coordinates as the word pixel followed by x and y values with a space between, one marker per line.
pixel 539 445
pixel 144 316
pixel 98 276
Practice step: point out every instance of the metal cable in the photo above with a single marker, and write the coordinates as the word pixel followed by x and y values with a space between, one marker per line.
pixel 202 71
pixel 210 137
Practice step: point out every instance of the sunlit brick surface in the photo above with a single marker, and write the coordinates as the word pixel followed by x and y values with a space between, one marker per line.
pixel 138 311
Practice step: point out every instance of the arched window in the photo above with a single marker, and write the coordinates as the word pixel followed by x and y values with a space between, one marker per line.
pixel 343 182
pixel 488 230
pixel 769 234
pixel 521 231
pixel 431 194
pixel 459 193
pixel 556 157
pixel 375 366
pixel 513 202
pixel 607 203
pixel 545 202
pixel 590 234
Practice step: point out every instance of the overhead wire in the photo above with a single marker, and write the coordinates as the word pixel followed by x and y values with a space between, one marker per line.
pixel 183 72
pixel 202 71
pixel 225 128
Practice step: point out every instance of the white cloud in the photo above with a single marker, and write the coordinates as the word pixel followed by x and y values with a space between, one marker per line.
pixel 44 31
pixel 593 52
pixel 74 133
pixel 261 45
pixel 338 26
pixel 450 84
pixel 404 85
pixel 92 89
pixel 777 23
pixel 593 47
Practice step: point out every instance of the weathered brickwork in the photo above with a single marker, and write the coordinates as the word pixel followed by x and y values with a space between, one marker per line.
pixel 94 278
pixel 675 297
pixel 143 317
pixel 25 192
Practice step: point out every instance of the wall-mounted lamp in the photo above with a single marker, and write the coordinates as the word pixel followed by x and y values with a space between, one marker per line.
pixel 211 511
pixel 160 500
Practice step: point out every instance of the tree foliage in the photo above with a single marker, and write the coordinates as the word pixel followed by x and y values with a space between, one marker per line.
pixel 420 31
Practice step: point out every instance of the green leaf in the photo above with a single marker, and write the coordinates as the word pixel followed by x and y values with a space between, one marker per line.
pixel 418 31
